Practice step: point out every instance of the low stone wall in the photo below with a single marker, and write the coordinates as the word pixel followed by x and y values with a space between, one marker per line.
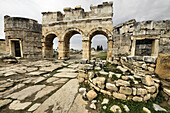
pixel 135 86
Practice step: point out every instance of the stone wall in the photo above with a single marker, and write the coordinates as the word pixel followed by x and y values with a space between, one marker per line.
pixel 127 33
pixel 29 34
pixel 2 47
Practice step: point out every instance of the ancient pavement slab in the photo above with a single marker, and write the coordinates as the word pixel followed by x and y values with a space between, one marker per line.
pixel 45 91
pixel 79 105
pixel 21 95
pixel 4 102
pixel 51 79
pixel 8 84
pixel 17 105
pixel 10 73
pixel 36 73
pixel 62 99
pixel 34 107
pixel 31 69
pixel 66 70
pixel 34 80
pixel 61 81
pixel 66 75
pixel 7 92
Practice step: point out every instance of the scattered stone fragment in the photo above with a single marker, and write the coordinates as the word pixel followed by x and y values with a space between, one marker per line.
pixel 158 108
pixel 91 95
pixel 126 108
pixel 125 90
pixel 17 105
pixel 82 90
pixel 118 75
pixel 97 68
pixel 119 96
pixel 104 73
pixel 21 95
pixel 94 101
pixel 92 106
pixel 167 91
pixel 104 107
pixel 34 107
pixel 105 101
pixel 116 108
pixel 146 110
pixel 138 99
pixel 4 102
pixel 122 83
pixel 141 91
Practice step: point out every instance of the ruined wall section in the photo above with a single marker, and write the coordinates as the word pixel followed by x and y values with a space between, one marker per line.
pixel 124 33
pixel 28 32
pixel 2 47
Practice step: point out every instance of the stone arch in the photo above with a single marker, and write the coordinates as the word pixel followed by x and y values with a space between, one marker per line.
pixel 109 36
pixel 65 41
pixel 47 44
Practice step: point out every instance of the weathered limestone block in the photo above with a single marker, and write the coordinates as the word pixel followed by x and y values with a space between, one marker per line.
pixel 119 96
pixel 147 80
pixel 163 66
pixel 125 90
pixel 141 91
pixel 91 95
pixel 151 89
pixel 122 83
pixel 139 99
pixel 147 97
pixel 116 108
pixel 99 81
pixel 111 87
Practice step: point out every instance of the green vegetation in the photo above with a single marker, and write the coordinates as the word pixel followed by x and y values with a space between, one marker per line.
pixel 101 54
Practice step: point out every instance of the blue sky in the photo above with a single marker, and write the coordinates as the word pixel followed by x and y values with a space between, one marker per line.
pixel 124 10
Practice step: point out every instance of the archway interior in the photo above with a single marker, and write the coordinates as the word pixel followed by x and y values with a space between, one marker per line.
pixel 73 44
pixel 99 38
pixel 51 42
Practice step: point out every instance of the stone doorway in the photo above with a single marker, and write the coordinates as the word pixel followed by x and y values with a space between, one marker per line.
pixel 16 49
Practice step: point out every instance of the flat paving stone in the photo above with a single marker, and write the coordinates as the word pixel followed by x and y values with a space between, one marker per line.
pixel 61 100
pixel 31 69
pixel 38 80
pixel 7 92
pixel 17 105
pixel 79 105
pixel 6 85
pixel 34 107
pixel 4 102
pixel 61 81
pixel 27 92
pixel 52 79
pixel 45 91
pixel 66 75
pixel 35 73
pixel 66 70
pixel 10 74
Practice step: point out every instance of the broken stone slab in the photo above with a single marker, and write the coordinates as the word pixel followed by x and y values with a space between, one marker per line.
pixel 111 86
pixel 45 91
pixel 158 108
pixel 146 110
pixel 92 106
pixel 149 59
pixel 125 90
pixel 105 101
pixel 17 105
pixel 52 79
pixel 34 107
pixel 27 92
pixel 66 75
pixel 104 73
pixel 167 91
pixel 84 61
pixel 147 80
pixel 121 69
pixel 62 99
pixel 122 83
pixel 126 108
pixel 5 102
pixel 38 80
pixel 79 105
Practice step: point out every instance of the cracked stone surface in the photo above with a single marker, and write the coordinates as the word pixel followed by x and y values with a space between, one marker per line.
pixel 17 105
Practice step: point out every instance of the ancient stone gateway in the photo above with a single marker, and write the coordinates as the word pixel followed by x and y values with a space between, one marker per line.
pixel 77 21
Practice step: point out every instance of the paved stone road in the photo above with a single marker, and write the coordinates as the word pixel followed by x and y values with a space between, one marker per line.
pixel 40 87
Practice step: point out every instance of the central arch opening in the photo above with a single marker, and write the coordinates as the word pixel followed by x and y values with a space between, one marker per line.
pixel 99 45
pixel 73 45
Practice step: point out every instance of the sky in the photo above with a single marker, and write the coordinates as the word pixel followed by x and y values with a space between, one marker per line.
pixel 124 10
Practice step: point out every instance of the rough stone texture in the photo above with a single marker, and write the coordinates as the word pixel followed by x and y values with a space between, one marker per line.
pixel 67 75
pixel 125 90
pixel 79 105
pixel 34 107
pixel 136 98
pixel 122 83
pixel 147 80
pixel 21 95
pixel 115 109
pixel 146 110
pixel 2 47
pixel 4 102
pixel 91 95
pixel 112 87
pixel 158 108
pixel 163 66
pixel 61 103
pixel 29 40
pixel 141 91
pixel 17 105
pixel 119 96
